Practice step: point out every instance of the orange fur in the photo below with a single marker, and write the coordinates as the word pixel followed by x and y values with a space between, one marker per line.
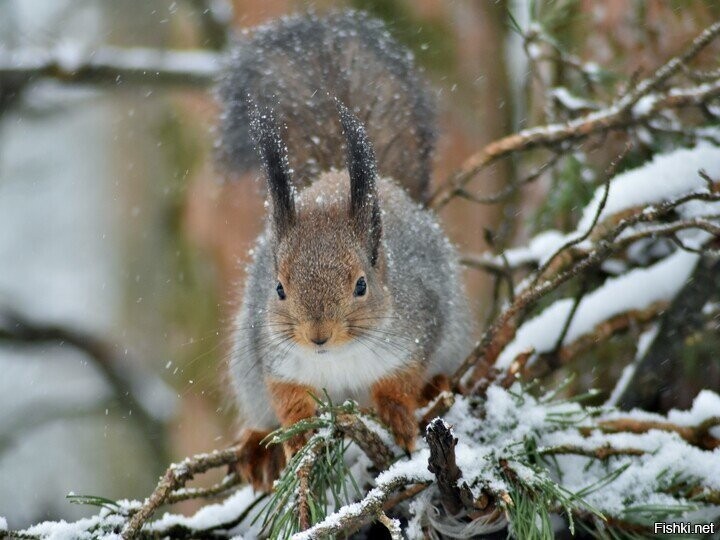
pixel 396 398
pixel 433 387
pixel 258 464
pixel 292 402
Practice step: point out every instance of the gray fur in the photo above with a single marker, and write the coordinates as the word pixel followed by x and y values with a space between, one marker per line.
pixel 297 65
pixel 423 280
pixel 363 223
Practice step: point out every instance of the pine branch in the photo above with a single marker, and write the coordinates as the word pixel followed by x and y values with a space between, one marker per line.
pixel 355 516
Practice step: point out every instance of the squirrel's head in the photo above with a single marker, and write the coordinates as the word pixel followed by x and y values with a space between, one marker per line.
pixel 329 285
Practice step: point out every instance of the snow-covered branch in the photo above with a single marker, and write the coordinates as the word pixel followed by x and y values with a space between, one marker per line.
pixel 632 207
pixel 496 455
pixel 112 67
pixel 175 478
pixel 589 464
pixel 638 106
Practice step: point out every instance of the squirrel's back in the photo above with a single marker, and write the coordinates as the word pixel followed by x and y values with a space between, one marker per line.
pixel 298 65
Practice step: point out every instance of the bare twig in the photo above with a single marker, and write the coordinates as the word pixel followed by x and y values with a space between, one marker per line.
pixel 696 435
pixel 601 453
pixel 222 487
pixel 441 441
pixel 498 335
pixel 670 67
pixel 609 173
pixel 618 115
pixel 508 191
pixel 583 127
pixel 501 332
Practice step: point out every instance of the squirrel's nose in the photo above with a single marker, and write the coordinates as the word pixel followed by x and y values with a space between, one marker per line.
pixel 319 340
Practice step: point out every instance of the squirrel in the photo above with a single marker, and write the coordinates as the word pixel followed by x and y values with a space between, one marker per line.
pixel 353 289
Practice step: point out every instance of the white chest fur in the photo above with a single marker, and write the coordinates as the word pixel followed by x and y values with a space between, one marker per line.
pixel 345 372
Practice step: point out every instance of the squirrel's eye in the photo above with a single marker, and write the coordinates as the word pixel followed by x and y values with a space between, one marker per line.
pixel 360 287
pixel 281 291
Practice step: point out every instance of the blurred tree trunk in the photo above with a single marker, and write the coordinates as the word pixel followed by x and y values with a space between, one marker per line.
pixel 660 378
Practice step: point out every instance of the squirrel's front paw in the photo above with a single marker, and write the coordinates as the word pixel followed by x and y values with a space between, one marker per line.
pixel 401 420
pixel 258 464
pixel 293 445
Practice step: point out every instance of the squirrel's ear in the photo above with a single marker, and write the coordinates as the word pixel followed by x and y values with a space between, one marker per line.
pixel 273 156
pixel 362 169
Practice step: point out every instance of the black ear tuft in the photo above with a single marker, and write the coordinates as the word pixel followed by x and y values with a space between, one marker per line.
pixel 273 155
pixel 362 169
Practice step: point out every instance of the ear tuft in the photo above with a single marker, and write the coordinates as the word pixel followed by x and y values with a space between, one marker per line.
pixel 273 155
pixel 362 169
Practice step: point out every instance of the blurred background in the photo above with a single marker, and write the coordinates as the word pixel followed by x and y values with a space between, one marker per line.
pixel 122 245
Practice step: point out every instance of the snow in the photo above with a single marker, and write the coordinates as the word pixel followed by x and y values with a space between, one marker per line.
pixel 637 289
pixel 644 105
pixel 3 524
pixel 513 416
pixel 498 427
pixel 77 530
pixel 71 56
pixel 642 481
pixel 540 247
pixel 571 101
pixel 415 468
pixel 666 177
pixel 667 459
pixel 213 514
pixel 108 522
pixel 706 405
